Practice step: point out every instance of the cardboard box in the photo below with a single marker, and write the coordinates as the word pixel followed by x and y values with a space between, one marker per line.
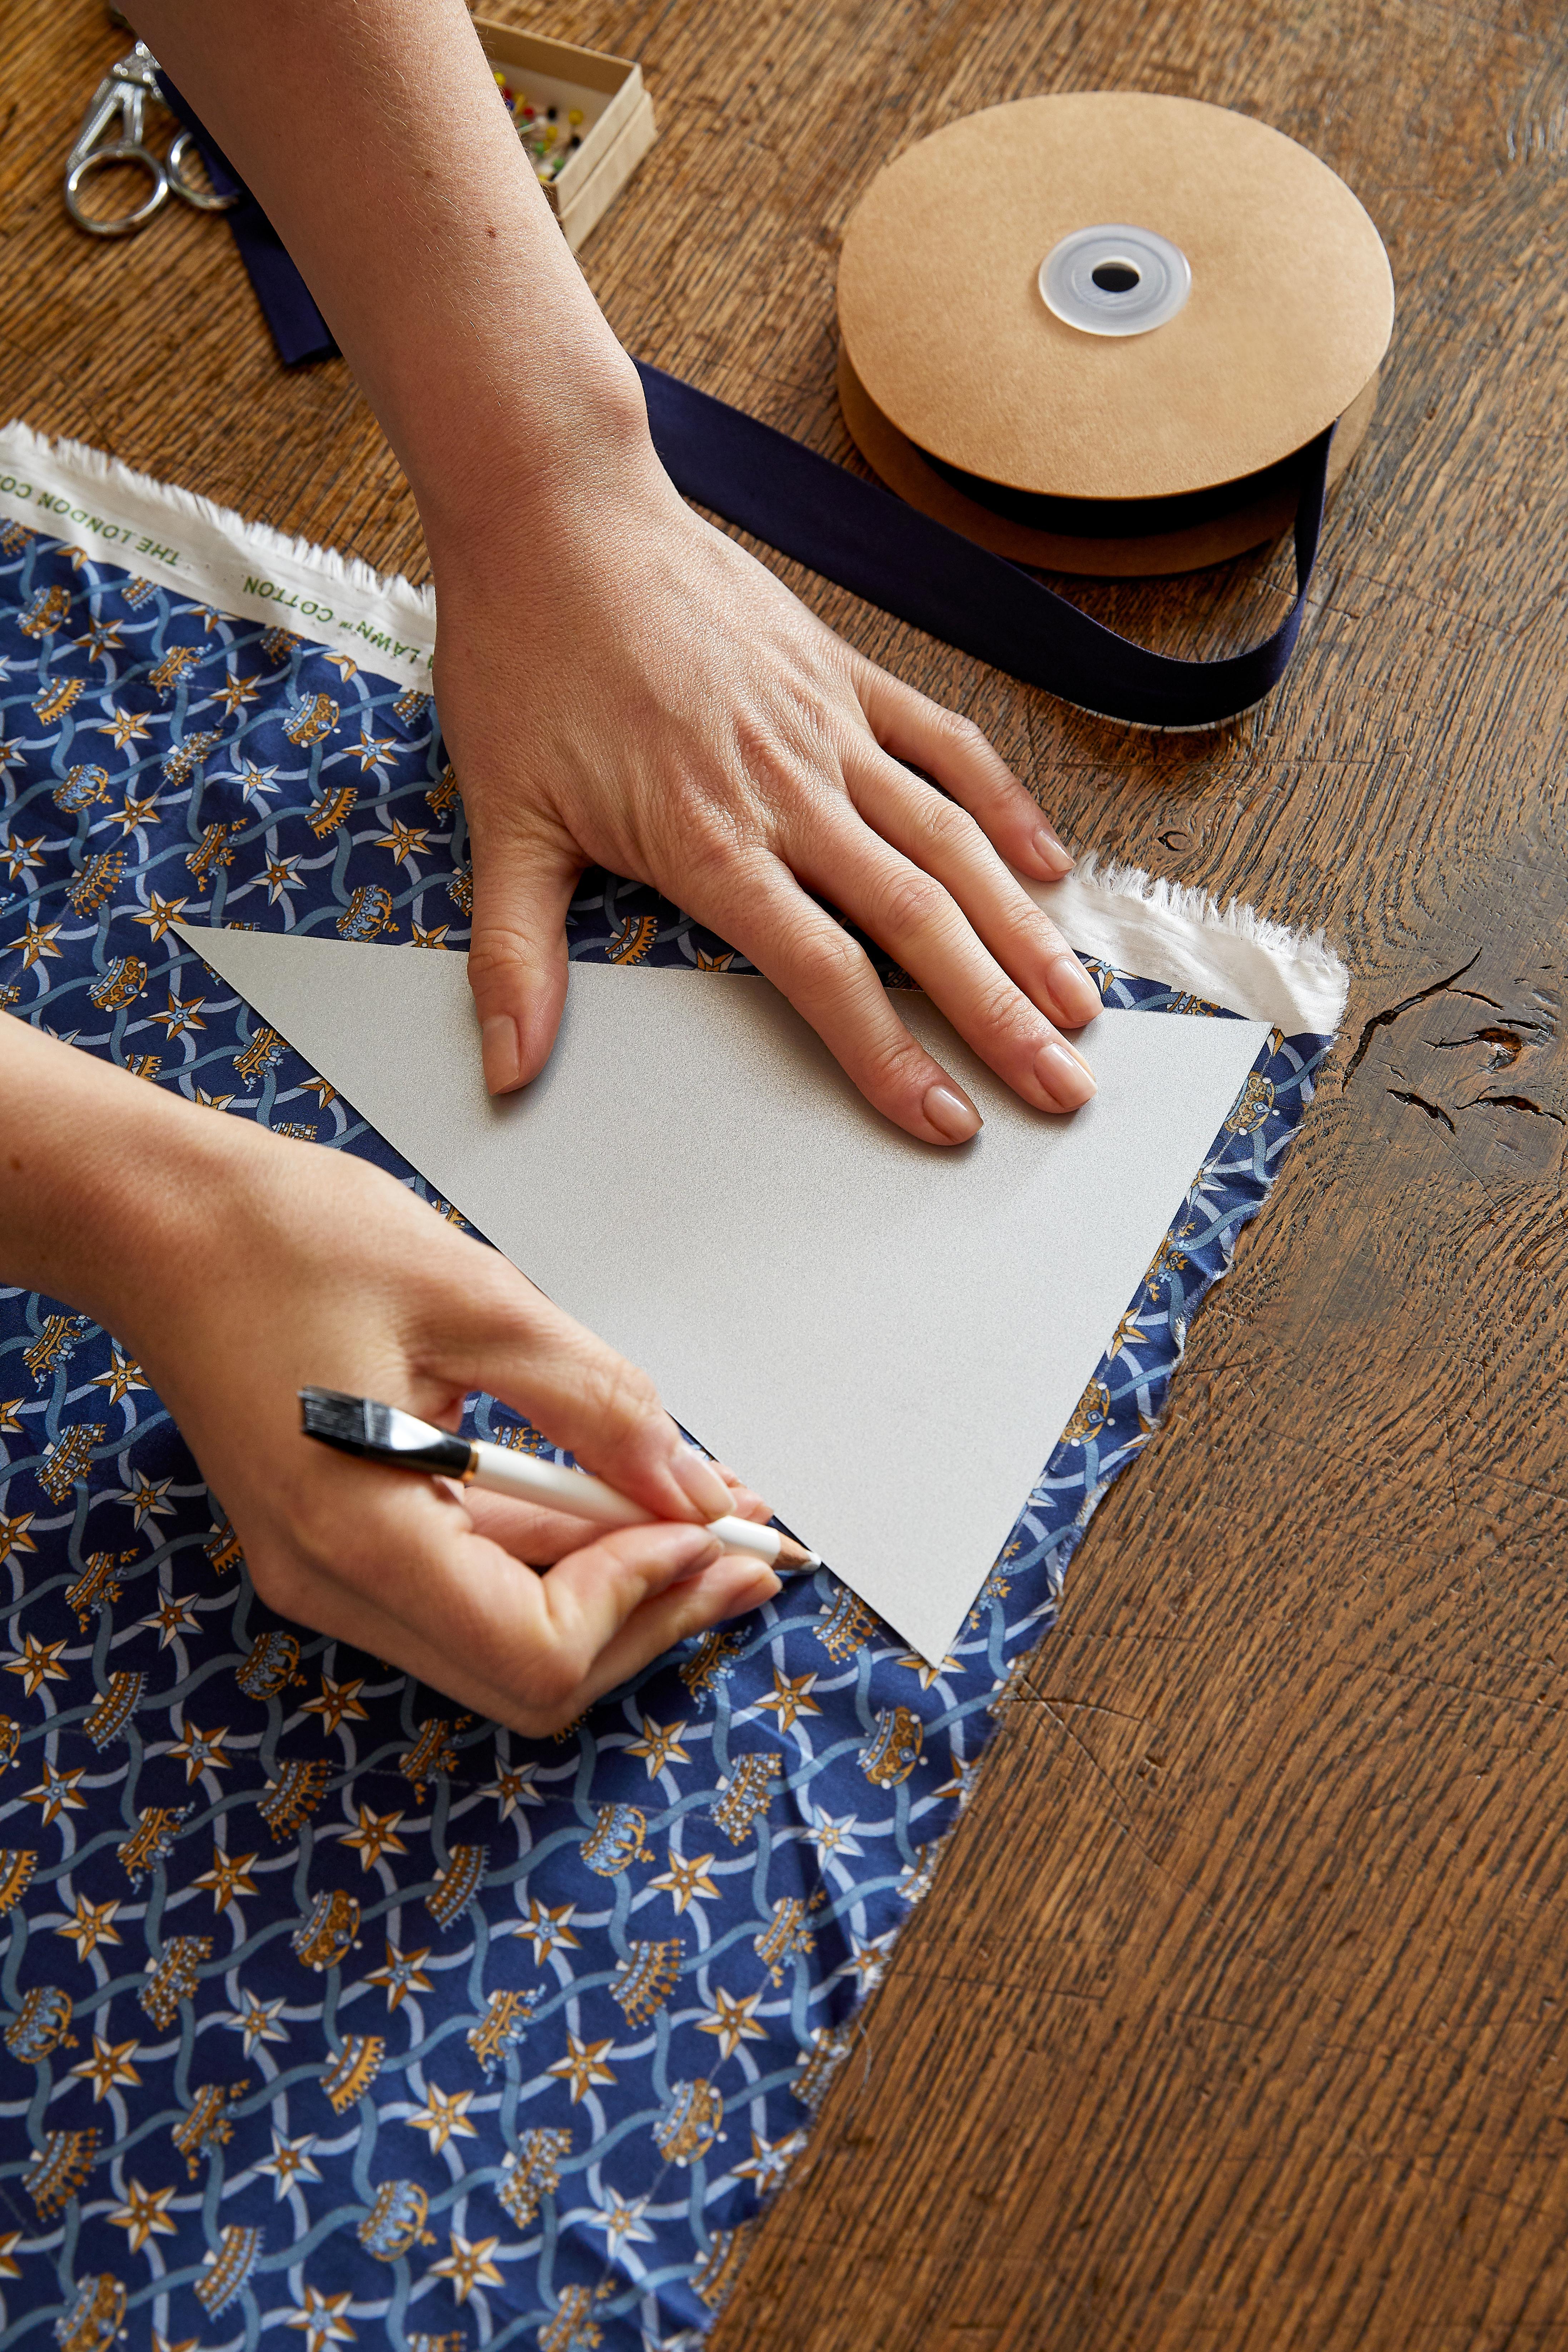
pixel 617 126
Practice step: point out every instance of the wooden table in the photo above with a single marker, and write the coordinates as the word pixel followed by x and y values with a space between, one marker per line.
pixel 1235 2018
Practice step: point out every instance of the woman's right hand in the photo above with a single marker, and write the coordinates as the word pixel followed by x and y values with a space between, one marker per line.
pixel 239 1266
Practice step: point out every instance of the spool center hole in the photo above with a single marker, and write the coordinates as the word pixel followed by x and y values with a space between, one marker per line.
pixel 1115 276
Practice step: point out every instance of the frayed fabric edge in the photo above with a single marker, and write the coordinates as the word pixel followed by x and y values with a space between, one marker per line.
pixel 184 541
pixel 1228 955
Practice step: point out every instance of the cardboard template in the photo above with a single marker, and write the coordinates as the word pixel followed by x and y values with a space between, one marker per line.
pixel 941 313
pixel 886 1339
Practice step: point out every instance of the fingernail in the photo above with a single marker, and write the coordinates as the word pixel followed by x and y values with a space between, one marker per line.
pixel 951 1113
pixel 1063 1076
pixel 502 1054
pixel 711 1550
pixel 701 1483
pixel 1072 991
pixel 1052 853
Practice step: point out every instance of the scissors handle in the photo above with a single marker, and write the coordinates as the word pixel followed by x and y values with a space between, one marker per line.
pixel 119 151
pixel 206 200
pixel 124 93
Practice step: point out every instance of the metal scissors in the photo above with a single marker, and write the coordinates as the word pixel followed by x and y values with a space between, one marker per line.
pixel 111 133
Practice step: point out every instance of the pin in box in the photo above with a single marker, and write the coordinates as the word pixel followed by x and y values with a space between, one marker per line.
pixel 584 118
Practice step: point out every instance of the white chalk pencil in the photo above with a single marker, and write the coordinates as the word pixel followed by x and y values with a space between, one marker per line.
pixel 382 1432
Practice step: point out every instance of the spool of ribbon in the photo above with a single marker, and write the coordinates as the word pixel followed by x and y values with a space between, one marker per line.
pixel 911 561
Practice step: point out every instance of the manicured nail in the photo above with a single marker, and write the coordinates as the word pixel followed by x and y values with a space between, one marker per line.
pixel 1072 991
pixel 951 1113
pixel 701 1483
pixel 502 1054
pixel 1052 853
pixel 1063 1076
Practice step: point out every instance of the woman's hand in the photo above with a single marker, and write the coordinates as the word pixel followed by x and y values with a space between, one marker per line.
pixel 619 682
pixel 240 1266
pixel 632 689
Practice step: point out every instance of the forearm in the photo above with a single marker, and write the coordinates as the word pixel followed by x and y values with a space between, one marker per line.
pixel 97 1174
pixel 373 135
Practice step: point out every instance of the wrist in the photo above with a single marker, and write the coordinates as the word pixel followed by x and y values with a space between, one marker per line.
pixel 106 1182
pixel 522 491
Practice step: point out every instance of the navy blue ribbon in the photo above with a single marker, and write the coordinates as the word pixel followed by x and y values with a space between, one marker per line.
pixel 870 541
pixel 860 535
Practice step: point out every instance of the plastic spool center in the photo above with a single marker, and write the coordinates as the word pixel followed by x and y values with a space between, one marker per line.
pixel 1115 280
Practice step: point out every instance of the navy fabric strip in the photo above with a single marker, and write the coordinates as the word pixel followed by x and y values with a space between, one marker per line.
pixel 860 535
pixel 856 533
pixel 286 303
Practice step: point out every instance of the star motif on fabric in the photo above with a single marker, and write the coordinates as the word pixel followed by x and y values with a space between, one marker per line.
pixel 290 2162
pixel 91 1927
pixel 21 856
pixel 36 1662
pixel 202 1751
pixel 324 1090
pixel 160 913
pixel 733 2022
pixel 547 1930
pixel 144 2214
pixel 282 874
pixel 403 1973
pixel 513 1786
pixel 374 750
pixel 376 1835
pixel 444 2118
pixel 147 1499
pixel 583 2066
pixel 162 2343
pixel 468 2265
pixel 336 1701
pixel 228 1878
pixel 404 841
pixel 100 637
pixel 124 1374
pixel 259 780
pixel 14 1535
pixel 11 1418
pixel 212 1102
pixel 172 1617
pixel 961 1784
pixel 9 2268
pixel 37 940
pixel 926 1671
pixel 687 1882
pixel 434 938
pixel 184 1014
pixel 869 1961
pixel 791 1696
pixel 125 725
pixel 770 2160
pixel 234 693
pixel 258 2021
pixel 57 1793
pixel 660 1745
pixel 621 2220
pixel 346 666
pixel 13 750
pixel 134 813
pixel 830 1836
pixel 325 2319
pixel 111 2062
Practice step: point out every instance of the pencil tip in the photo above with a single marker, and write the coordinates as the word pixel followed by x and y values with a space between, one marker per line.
pixel 794 1555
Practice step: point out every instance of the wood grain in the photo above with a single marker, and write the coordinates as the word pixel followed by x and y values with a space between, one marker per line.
pixel 1235 2020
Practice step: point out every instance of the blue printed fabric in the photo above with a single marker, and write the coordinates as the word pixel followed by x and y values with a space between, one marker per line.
pixel 329 2011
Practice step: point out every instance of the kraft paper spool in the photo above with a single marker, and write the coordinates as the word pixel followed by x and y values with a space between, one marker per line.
pixel 993 379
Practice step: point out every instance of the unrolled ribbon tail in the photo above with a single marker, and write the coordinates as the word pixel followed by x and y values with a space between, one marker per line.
pixel 856 533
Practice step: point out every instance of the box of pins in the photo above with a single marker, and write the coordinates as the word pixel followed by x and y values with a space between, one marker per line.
pixel 584 119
